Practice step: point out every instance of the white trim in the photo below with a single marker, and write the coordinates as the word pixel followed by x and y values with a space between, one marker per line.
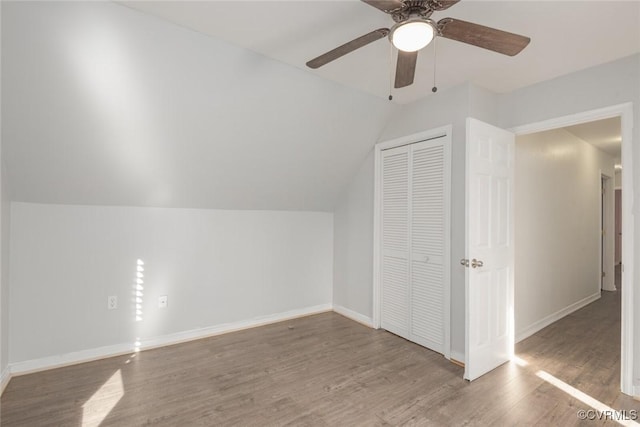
pixel 59 361
pixel 636 392
pixel 30 366
pixel 413 138
pixel 353 315
pixel 575 119
pixel 609 230
pixel 5 377
pixel 457 356
pixel 625 112
pixel 554 317
pixel 444 131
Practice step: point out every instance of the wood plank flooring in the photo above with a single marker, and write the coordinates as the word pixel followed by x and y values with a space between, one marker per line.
pixel 326 370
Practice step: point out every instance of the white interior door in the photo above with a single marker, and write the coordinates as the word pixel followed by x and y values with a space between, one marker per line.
pixel 489 236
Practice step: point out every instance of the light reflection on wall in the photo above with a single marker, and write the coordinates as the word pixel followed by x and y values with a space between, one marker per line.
pixel 138 292
pixel 113 80
pixel 138 299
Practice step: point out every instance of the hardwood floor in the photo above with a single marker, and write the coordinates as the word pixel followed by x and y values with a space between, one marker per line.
pixel 327 370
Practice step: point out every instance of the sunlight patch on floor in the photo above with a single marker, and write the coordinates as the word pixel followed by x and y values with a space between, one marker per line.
pixel 519 361
pixel 97 408
pixel 603 412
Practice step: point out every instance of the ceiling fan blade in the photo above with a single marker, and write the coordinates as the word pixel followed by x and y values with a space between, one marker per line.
pixel 406 68
pixel 481 36
pixel 442 4
pixel 348 48
pixel 386 6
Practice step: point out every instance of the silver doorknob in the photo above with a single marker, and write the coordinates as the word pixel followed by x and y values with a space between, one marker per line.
pixel 476 263
pixel 464 262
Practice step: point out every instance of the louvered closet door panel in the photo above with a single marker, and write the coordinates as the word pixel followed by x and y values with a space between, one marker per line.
pixel 427 278
pixel 395 241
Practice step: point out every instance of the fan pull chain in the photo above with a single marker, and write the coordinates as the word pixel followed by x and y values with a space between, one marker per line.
pixel 434 89
pixel 390 71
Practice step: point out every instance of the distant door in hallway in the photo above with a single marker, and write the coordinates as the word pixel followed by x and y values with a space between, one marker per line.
pixel 618 227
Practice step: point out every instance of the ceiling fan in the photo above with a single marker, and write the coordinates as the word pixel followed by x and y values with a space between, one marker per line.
pixel 414 29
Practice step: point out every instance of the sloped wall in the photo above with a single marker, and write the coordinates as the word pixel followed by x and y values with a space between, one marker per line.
pixel 131 110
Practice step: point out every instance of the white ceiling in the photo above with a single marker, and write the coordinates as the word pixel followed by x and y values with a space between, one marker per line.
pixel 566 36
pixel 603 134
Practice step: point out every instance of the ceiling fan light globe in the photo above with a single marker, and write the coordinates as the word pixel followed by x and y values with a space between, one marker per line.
pixel 411 36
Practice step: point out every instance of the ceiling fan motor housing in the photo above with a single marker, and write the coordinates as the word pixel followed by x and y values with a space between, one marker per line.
pixel 413 8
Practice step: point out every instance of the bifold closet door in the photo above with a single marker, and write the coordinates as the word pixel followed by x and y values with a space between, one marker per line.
pixel 395 241
pixel 429 247
pixel 414 300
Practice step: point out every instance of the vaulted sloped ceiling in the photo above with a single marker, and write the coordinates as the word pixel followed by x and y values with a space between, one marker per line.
pixel 566 36
pixel 105 105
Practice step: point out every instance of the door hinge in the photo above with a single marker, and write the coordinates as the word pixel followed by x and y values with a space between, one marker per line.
pixel 604 274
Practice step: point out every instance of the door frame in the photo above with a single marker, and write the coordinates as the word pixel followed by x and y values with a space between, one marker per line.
pixel 607 221
pixel 625 112
pixel 441 132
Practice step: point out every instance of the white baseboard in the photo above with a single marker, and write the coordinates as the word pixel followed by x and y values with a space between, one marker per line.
pixel 546 321
pixel 457 356
pixel 353 315
pixel 5 376
pixel 30 366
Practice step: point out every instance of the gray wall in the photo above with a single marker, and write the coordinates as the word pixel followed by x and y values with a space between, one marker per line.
pixel 4 254
pixel 217 267
pixel 5 224
pixel 353 243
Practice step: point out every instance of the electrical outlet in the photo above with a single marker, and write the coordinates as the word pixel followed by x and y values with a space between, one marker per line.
pixel 163 301
pixel 112 302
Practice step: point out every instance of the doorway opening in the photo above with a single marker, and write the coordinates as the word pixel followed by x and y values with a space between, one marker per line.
pixel 580 221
